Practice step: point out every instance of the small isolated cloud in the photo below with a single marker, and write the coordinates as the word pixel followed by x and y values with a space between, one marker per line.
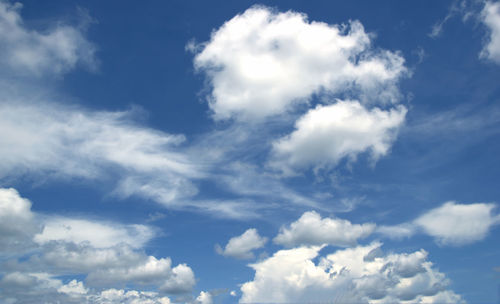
pixel 311 229
pixel 241 247
pixel 262 63
pixel 458 224
pixel 54 51
pixel 490 16
pixel 204 298
pixel 362 274
pixel 326 134
pixel 450 224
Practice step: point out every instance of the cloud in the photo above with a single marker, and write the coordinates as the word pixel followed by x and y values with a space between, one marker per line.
pixel 458 224
pixel 311 229
pixel 55 141
pixel 49 141
pixel 262 63
pixel 361 274
pixel 400 231
pixel 149 272
pixel 119 296
pixel 17 222
pixel 204 298
pixel 326 134
pixel 241 247
pixel 450 224
pixel 490 16
pixel 53 51
pixel 105 254
pixel 37 287
pixel 98 234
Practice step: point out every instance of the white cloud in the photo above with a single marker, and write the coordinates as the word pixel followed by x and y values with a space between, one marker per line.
pixel 106 254
pixel 326 134
pixel 355 275
pixel 42 287
pixel 262 62
pixel 490 16
pixel 204 298
pixel 98 234
pixel 150 272
pixel 458 224
pixel 120 296
pixel 241 247
pixel 49 140
pixel 56 50
pixel 17 222
pixel 311 229
pixel 74 288
pixel 400 231
pixel 450 224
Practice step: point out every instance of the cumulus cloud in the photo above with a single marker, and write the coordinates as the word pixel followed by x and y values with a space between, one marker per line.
pixel 17 222
pixel 450 224
pixel 79 248
pixel 326 134
pixel 262 62
pixel 204 298
pixel 490 16
pixel 458 224
pixel 56 50
pixel 42 287
pixel 120 296
pixel 150 272
pixel 241 247
pixel 311 229
pixel 362 274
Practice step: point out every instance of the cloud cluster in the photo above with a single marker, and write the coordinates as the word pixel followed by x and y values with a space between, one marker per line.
pixel 241 247
pixel 262 62
pixel 48 248
pixel 362 274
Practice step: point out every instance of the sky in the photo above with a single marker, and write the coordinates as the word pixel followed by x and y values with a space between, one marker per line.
pixel 249 152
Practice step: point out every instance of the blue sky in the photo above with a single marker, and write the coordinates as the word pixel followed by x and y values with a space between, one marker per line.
pixel 213 152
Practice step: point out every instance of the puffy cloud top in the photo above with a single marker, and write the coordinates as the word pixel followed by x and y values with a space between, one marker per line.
pixel 355 275
pixel 311 229
pixel 262 62
pixel 326 134
pixel 241 247
pixel 458 224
